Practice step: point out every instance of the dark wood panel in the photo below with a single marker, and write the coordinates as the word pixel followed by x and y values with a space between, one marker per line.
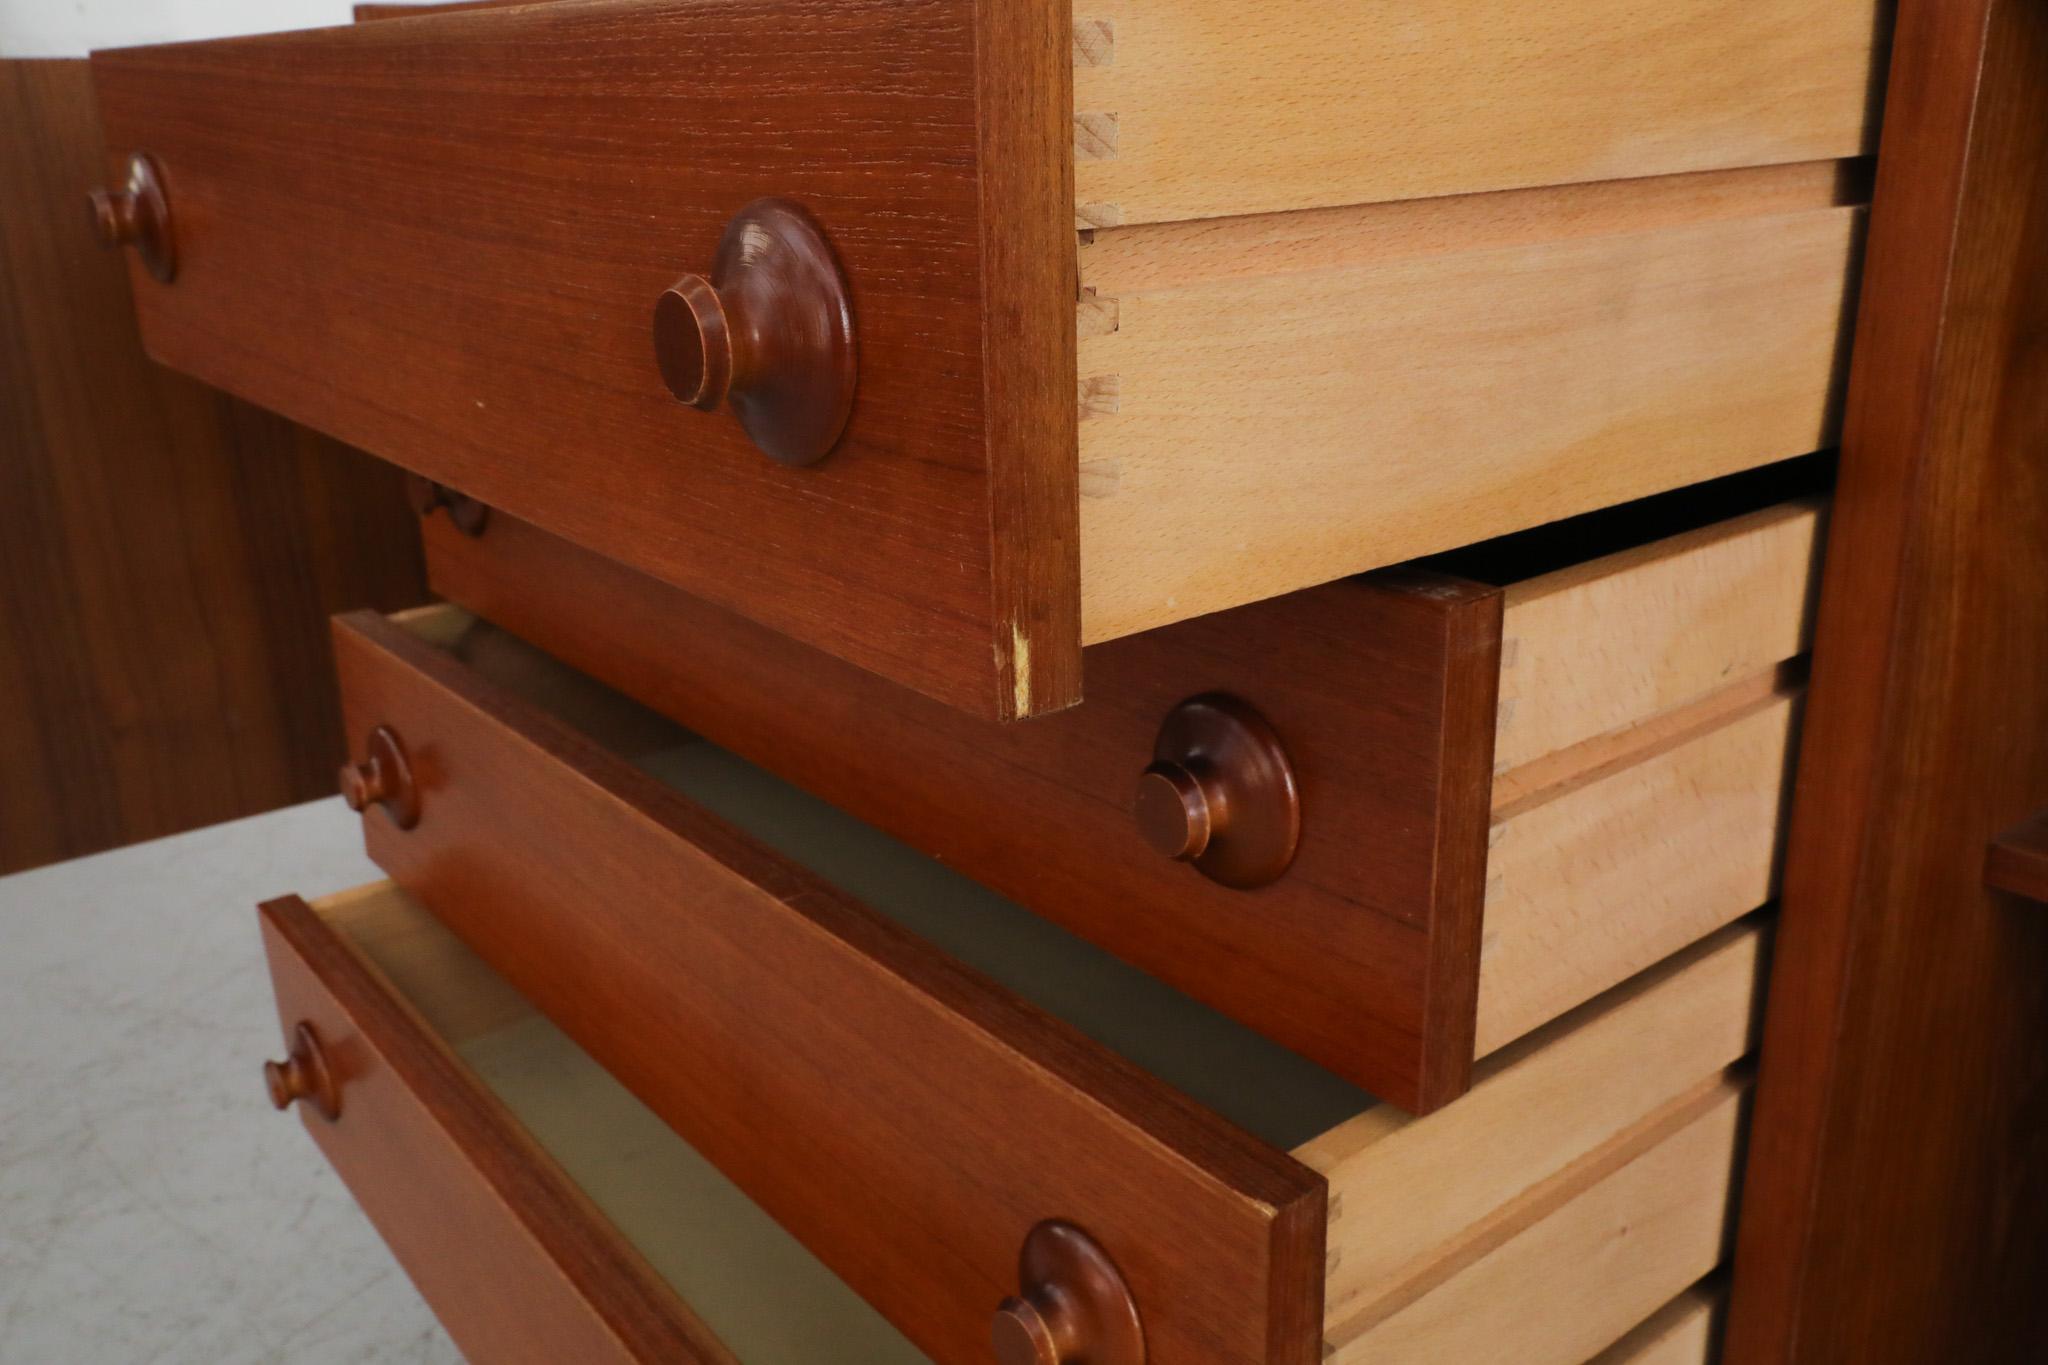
pixel 510 1254
pixel 906 1119
pixel 168 555
pixel 1363 955
pixel 442 237
pixel 1897 1191
pixel 2017 860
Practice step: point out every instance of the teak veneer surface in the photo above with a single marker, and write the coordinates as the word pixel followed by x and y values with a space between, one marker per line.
pixel 1361 956
pixel 1552 1119
pixel 441 238
pixel 168 554
pixel 1897 1191
pixel 1381 689
pixel 796 1039
pixel 515 1262
pixel 453 1027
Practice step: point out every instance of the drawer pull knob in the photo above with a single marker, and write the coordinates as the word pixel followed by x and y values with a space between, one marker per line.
pixel 304 1075
pixel 465 513
pixel 138 215
pixel 1075 1308
pixel 383 778
pixel 1221 793
pixel 771 332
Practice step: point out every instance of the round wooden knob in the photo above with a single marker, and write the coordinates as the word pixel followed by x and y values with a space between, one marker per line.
pixel 304 1075
pixel 138 215
pixel 1074 1308
pixel 770 332
pixel 384 778
pixel 465 513
pixel 1220 793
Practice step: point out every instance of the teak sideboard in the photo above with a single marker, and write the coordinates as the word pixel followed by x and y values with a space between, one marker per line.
pixel 1165 683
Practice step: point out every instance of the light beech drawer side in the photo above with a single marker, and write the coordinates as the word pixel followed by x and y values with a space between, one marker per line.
pixel 1198 108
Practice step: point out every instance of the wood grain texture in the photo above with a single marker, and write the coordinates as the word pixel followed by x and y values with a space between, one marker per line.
pixel 510 1254
pixel 1591 649
pixel 1272 432
pixel 1599 882
pixel 441 238
pixel 799 1042
pixel 1223 111
pixel 2017 861
pixel 168 556
pixel 1570 1284
pixel 1685 1331
pixel 1898 1184
pixel 1362 956
pixel 1412 1199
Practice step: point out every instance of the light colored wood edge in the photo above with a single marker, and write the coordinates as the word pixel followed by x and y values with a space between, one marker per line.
pixel 1593 650
pixel 1410 1193
pixel 1559 774
pixel 1637 560
pixel 1327 103
pixel 1598 1242
pixel 1115 261
pixel 1685 1331
pixel 1587 890
pixel 1656 360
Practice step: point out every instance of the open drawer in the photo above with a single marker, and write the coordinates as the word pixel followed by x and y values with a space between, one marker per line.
pixel 912 1081
pixel 1518 782
pixel 1012 348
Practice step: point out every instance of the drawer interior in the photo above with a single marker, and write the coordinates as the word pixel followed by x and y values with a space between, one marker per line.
pixel 767 1298
pixel 1547 1151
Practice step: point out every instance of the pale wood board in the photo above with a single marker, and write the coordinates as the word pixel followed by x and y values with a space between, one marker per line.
pixel 1223 109
pixel 1682 1332
pixel 1175 255
pixel 1571 1284
pixel 1602 645
pixel 1587 889
pixel 1405 1190
pixel 1272 433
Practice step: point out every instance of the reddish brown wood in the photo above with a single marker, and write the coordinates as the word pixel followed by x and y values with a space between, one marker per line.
pixel 439 237
pixel 1073 1308
pixel 303 1075
pixel 137 214
pixel 511 1255
pixel 1363 956
pixel 905 1118
pixel 1221 793
pixel 2017 861
pixel 168 556
pixel 770 332
pixel 1897 1186
pixel 382 777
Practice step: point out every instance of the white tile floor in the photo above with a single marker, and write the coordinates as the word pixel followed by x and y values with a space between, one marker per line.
pixel 152 1205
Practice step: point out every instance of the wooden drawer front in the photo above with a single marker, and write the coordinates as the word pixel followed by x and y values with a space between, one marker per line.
pixel 511 1255
pixel 547 1215
pixel 442 239
pixel 1367 954
pixel 909 1148
pixel 906 1119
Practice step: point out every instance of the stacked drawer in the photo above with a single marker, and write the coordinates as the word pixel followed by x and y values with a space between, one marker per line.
pixel 1354 283
pixel 1367 969
pixel 907 1075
